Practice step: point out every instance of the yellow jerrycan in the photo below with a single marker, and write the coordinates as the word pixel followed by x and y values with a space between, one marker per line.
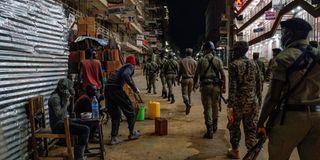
pixel 154 109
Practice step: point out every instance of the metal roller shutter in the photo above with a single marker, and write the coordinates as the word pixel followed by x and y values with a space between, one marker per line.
pixel 33 57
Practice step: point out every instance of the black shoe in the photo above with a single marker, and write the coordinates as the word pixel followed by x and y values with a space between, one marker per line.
pixel 169 97
pixel 215 125
pixel 208 136
pixel 188 107
pixel 164 95
pixel 209 133
pixel 172 99
pixel 149 91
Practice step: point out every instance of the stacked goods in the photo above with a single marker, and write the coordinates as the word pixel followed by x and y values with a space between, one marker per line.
pixel 87 26
pixel 75 57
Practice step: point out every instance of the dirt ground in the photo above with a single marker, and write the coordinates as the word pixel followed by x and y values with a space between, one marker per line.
pixel 184 140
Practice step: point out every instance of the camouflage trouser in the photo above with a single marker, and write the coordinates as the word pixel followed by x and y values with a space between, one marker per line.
pixel 163 82
pixel 147 80
pixel 186 89
pixel 152 83
pixel 210 96
pixel 170 81
pixel 249 123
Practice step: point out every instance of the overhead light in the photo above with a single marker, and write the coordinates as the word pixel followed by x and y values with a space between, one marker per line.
pixel 298 7
pixel 292 11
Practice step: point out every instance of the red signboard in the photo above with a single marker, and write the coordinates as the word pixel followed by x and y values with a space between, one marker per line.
pixel 270 15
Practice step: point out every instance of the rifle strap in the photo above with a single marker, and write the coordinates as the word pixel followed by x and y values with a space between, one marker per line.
pixel 296 66
pixel 213 67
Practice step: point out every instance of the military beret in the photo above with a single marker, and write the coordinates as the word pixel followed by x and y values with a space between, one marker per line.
pixel 296 24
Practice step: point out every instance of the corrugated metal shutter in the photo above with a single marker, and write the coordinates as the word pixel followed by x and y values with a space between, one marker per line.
pixel 33 56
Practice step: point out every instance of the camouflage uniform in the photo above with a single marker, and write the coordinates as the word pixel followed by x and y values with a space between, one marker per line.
pixel 151 72
pixel 170 70
pixel 262 72
pixel 209 88
pixel 145 73
pixel 244 89
pixel 160 62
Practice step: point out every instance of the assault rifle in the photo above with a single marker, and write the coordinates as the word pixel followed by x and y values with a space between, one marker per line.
pixel 301 62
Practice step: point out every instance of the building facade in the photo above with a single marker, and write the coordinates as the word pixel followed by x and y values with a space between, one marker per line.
pixel 257 21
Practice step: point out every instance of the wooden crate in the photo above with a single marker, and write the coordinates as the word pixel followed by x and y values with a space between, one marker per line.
pixel 161 126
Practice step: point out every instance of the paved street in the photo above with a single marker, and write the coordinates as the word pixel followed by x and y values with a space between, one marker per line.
pixel 185 133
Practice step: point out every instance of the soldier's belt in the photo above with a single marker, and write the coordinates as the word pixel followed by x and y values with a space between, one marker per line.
pixel 187 77
pixel 211 83
pixel 303 108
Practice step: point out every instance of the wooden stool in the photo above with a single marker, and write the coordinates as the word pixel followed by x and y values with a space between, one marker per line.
pixel 161 127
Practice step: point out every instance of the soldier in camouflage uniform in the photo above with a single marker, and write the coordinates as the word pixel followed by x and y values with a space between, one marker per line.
pixel 160 61
pixel 152 72
pixel 244 92
pixel 171 69
pixel 145 71
pixel 212 83
pixel 275 52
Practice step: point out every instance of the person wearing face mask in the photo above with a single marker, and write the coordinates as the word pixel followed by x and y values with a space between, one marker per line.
pixel 293 96
pixel 58 104
pixel 117 100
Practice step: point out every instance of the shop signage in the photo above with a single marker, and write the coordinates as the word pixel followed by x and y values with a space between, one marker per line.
pixel 260 29
pixel 158 32
pixel 153 39
pixel 140 37
pixel 115 1
pixel 315 1
pixel 277 5
pixel 270 15
pixel 140 43
pixel 146 33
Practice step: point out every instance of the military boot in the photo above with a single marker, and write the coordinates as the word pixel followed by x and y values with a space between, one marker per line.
pixel 169 97
pixel 215 125
pixel 233 153
pixel 209 133
pixel 188 107
pixel 172 99
pixel 165 95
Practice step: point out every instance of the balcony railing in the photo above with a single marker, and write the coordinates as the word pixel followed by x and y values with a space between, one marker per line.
pixel 253 12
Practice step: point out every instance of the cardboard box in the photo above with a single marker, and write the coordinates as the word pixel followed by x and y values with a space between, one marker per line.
pixel 115 55
pixel 82 56
pixel 82 20
pixel 74 57
pixel 82 29
pixel 91 20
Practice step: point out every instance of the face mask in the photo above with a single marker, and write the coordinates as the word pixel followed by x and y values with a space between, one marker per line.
pixel 285 38
pixel 65 94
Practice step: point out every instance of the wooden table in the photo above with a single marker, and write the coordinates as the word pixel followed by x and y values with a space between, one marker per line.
pixel 97 123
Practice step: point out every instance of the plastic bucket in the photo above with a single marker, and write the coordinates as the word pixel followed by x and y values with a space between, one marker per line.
pixel 141 113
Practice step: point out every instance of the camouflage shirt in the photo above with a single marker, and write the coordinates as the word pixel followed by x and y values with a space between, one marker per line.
pixel 160 62
pixel 244 83
pixel 151 69
pixel 208 74
pixel 170 66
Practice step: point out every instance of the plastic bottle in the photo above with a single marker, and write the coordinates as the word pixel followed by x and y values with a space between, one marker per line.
pixel 95 108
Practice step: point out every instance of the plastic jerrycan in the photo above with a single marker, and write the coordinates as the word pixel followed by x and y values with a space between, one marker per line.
pixel 141 113
pixel 154 109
